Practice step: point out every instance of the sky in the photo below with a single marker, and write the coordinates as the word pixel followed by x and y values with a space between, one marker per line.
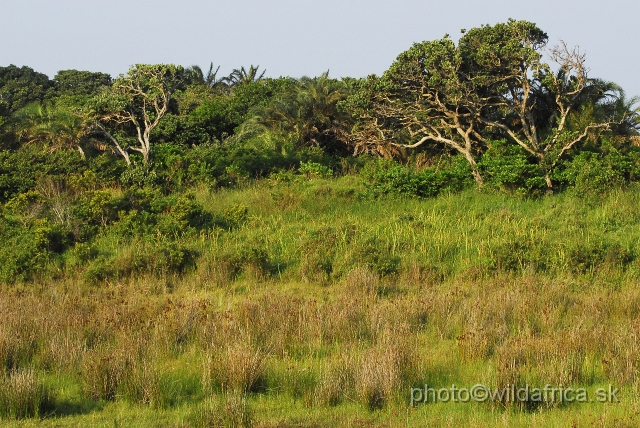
pixel 296 37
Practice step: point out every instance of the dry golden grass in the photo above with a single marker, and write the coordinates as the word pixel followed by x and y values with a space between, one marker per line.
pixel 239 367
pixel 230 411
pixel 349 343
pixel 23 395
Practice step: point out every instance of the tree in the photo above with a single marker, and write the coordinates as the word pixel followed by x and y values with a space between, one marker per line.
pixel 4 109
pixel 309 111
pixel 493 83
pixel 20 86
pixel 79 83
pixel 140 99
pixel 242 76
pixel 530 102
pixel 56 125
pixel 62 121
pixel 427 95
pixel 211 80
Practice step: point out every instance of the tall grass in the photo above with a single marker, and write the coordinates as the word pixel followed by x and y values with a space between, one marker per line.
pixel 337 305
pixel 24 395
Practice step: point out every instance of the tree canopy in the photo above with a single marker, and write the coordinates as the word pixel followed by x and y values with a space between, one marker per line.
pixel 141 99
pixel 492 84
pixel 499 89
pixel 20 86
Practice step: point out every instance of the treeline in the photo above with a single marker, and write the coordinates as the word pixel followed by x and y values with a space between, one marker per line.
pixel 84 151
pixel 518 122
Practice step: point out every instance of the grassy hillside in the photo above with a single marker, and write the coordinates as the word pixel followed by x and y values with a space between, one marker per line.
pixel 308 302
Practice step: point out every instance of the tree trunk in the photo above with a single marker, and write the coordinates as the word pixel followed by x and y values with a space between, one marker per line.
pixel 474 169
pixel 113 140
pixel 146 147
pixel 547 178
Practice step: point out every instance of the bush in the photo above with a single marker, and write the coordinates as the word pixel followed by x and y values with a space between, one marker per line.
pixel 99 208
pixel 189 213
pixel 28 250
pixel 586 257
pixel 163 258
pixel 235 216
pixel 255 261
pixel 385 177
pixel 377 256
pixel 517 255
pixel 173 258
pixel 314 170
pixel 139 175
pixel 592 174
pixel 20 169
pixel 507 167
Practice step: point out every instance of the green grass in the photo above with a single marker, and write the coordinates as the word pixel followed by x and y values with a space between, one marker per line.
pixel 323 307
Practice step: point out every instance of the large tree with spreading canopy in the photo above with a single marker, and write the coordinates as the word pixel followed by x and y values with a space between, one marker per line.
pixel 492 83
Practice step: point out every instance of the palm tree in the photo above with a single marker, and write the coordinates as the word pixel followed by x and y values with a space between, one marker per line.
pixel 56 125
pixel 242 76
pixel 211 79
pixel 310 112
pixel 612 104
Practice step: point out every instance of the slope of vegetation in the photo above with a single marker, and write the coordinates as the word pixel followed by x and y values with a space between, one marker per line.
pixel 314 304
pixel 181 249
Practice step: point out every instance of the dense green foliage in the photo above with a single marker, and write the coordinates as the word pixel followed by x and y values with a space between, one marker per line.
pixel 492 85
pixel 97 159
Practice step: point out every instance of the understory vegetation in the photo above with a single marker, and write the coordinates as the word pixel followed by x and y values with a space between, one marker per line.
pixel 187 250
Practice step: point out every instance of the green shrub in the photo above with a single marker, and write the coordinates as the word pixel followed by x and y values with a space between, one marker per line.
pixel 516 256
pixel 377 256
pixel 159 259
pixel 139 175
pixel 189 213
pixel 256 261
pixel 99 208
pixel 235 216
pixel 508 167
pixel 385 177
pixel 28 250
pixel 145 199
pixel 592 174
pixel 133 224
pixel 21 169
pixel 585 257
pixel 85 252
pixel 99 270
pixel 26 206
pixel 172 258
pixel 316 267
pixel 285 176
pixel 314 170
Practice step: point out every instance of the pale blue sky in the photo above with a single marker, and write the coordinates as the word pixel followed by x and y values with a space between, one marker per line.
pixel 296 38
